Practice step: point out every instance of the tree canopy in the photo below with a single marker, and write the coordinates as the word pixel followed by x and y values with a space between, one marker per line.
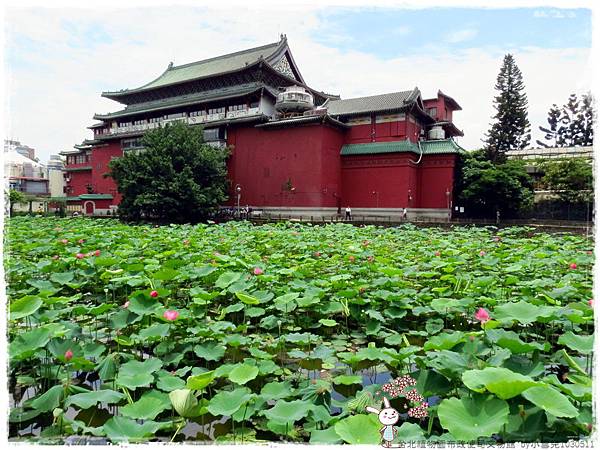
pixel 572 125
pixel 483 187
pixel 571 179
pixel 176 177
pixel 511 129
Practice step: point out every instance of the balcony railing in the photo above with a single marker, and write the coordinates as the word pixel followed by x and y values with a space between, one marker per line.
pixel 193 120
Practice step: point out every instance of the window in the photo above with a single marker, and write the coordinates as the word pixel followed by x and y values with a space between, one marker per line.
pixel 129 144
pixel 174 116
pixel 432 112
pixel 238 107
pixel 154 119
pixel 216 110
pixel 214 134
pixel 140 122
pixel 198 113
pixel 124 124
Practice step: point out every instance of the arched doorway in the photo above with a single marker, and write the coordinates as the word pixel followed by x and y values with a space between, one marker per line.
pixel 89 208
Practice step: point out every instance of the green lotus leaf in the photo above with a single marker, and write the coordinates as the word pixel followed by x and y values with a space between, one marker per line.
pixel 359 429
pixel 49 399
pixel 471 418
pixel 247 299
pixel 62 277
pixel 211 351
pixel 25 306
pixel 146 408
pixel 523 312
pixel 200 381
pixel 445 341
pixel 551 401
pixel 348 379
pixel 288 412
pixel 243 373
pixel 225 403
pixel 86 400
pixel 580 343
pixel 500 381
pixel 134 374
pixel 276 390
pixel 328 436
pixel 123 429
pixel 410 432
pixel 328 322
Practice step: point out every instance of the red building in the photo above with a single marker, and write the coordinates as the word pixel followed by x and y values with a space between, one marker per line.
pixel 295 150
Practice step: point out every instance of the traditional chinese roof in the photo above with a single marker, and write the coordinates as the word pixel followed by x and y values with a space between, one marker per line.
pixel 433 147
pixel 272 54
pixel 190 99
pixel 301 120
pixel 95 197
pixel 375 103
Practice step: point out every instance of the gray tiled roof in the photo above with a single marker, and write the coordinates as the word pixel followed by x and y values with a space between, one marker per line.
pixel 189 99
pixel 383 102
pixel 208 67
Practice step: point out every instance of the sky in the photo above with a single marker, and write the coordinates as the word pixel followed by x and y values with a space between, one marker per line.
pixel 57 61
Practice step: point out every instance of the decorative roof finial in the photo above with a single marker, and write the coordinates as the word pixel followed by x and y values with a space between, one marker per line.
pixel 282 37
pixel 170 65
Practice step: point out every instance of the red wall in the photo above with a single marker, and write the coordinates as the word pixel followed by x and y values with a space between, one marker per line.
pixel 436 176
pixel 390 176
pixel 78 183
pixel 263 160
pixel 101 156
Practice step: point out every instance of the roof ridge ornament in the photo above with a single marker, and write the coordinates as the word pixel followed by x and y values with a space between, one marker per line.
pixel 170 65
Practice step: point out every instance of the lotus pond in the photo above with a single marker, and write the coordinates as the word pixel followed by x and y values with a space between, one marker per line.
pixel 287 332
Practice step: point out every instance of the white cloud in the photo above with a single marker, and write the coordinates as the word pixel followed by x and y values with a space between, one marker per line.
pixel 461 36
pixel 554 14
pixel 54 96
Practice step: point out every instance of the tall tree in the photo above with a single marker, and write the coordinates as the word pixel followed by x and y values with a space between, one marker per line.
pixel 511 129
pixel 483 187
pixel 175 178
pixel 572 125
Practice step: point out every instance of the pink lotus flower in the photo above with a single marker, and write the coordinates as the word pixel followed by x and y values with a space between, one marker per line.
pixel 573 266
pixel 497 238
pixel 370 258
pixel 591 303
pixel 482 315
pixel 481 253
pixel 258 271
pixel 65 241
pixel 437 254
pixel 81 241
pixel 186 242
pixel 69 355
pixel 79 256
pixel 97 253
pixel 351 258
pixel 169 314
pixel 365 243
pixel 55 257
pixel 154 294
pixel 589 252
pixel 126 304
pixel 317 254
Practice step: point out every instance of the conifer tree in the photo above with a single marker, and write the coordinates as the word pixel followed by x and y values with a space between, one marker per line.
pixel 572 125
pixel 511 129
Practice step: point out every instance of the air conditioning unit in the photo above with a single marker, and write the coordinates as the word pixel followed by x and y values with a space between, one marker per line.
pixel 437 132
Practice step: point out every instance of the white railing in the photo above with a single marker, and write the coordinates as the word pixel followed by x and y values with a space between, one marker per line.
pixel 190 120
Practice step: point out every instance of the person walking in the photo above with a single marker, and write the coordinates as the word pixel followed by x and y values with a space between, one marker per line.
pixel 348 213
pixel 404 214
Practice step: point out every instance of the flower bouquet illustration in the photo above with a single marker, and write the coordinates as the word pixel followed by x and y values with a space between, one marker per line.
pixel 404 386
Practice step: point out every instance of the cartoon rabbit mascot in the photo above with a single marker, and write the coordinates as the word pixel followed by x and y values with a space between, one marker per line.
pixel 388 416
